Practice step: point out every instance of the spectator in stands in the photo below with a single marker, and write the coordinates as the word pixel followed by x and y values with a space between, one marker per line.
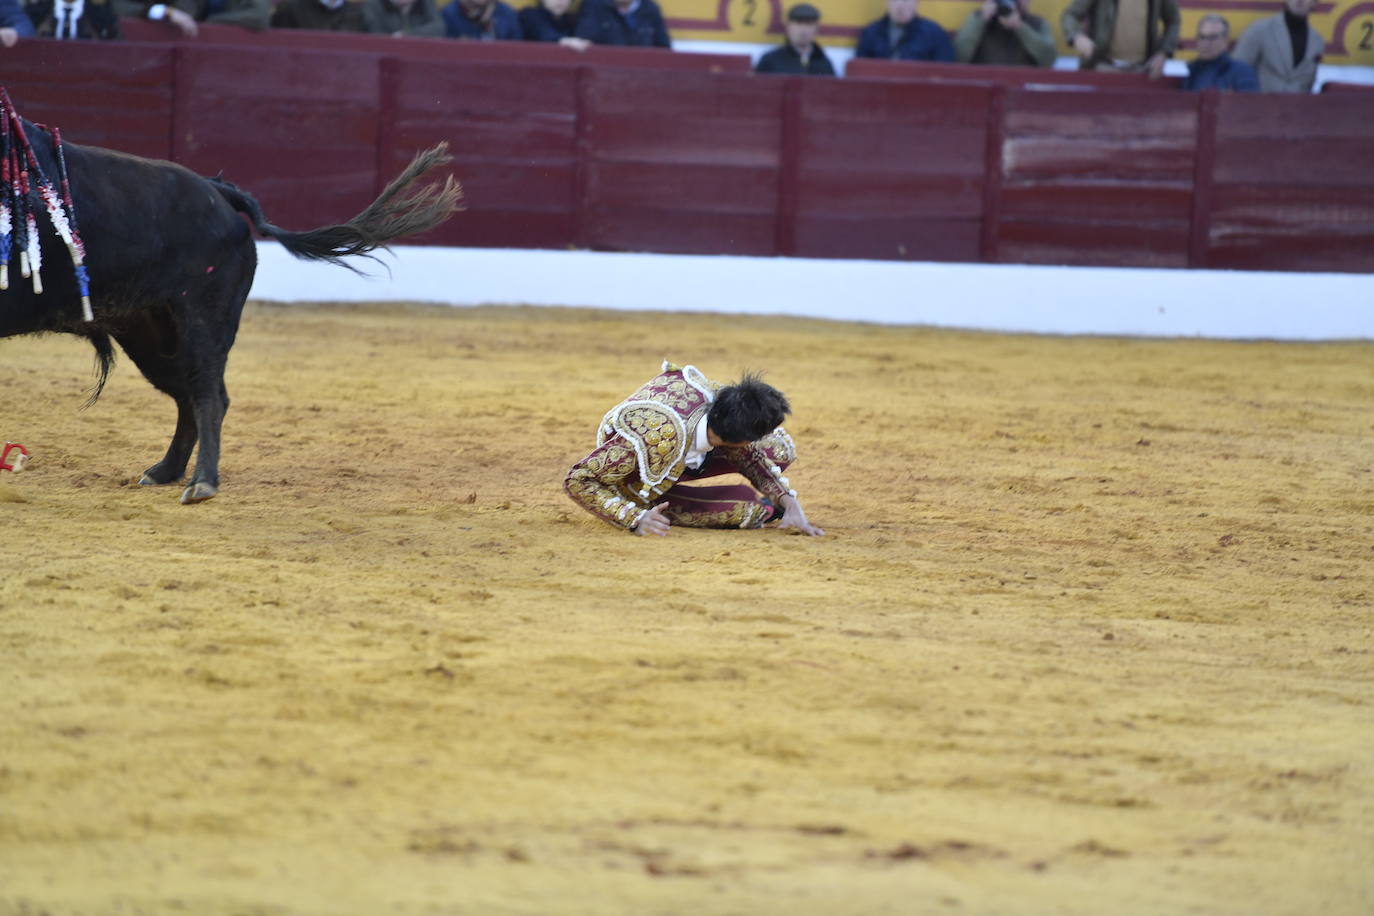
pixel 1122 35
pixel 552 20
pixel 184 15
pixel 73 19
pixel 483 20
pixel 623 22
pixel 799 54
pixel 1005 33
pixel 1283 49
pixel 320 15
pixel 14 23
pixel 403 17
pixel 1214 68
pixel 902 35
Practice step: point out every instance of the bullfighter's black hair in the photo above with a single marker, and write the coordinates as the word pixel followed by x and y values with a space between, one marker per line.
pixel 747 410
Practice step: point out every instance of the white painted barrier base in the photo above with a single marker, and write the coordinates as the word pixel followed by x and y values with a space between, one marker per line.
pixel 1001 297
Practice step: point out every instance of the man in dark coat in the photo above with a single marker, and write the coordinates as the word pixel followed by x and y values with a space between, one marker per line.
pixel 483 20
pixel 553 21
pixel 1214 68
pixel 623 22
pixel 799 54
pixel 74 19
pixel 14 23
pixel 320 15
pixel 902 35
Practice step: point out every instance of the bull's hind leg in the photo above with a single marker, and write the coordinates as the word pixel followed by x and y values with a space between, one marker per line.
pixel 151 344
pixel 173 465
pixel 209 403
pixel 205 341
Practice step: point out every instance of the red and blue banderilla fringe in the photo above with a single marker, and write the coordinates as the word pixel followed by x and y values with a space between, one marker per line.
pixel 18 223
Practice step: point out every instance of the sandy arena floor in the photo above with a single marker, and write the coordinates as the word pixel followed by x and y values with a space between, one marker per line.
pixel 1092 631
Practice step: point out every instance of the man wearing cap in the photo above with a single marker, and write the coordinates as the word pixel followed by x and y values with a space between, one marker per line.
pixel 799 54
pixel 636 23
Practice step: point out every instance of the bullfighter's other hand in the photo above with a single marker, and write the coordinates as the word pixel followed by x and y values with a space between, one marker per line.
pixel 794 517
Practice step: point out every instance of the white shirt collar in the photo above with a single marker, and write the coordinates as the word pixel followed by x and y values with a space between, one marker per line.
pixel 696 452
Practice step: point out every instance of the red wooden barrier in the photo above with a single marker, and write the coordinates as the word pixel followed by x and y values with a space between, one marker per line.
pixel 555 150
pixel 890 170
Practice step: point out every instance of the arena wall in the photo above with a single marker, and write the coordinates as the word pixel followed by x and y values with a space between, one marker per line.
pixel 627 149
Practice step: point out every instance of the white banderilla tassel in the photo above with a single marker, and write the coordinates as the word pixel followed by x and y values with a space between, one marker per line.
pixel 6 227
pixel 34 262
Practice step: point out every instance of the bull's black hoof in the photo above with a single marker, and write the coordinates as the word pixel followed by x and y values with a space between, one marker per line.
pixel 155 477
pixel 198 493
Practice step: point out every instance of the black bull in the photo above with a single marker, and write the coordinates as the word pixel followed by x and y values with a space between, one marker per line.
pixel 171 261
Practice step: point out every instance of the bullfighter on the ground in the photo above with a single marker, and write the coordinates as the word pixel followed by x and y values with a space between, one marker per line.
pixel 681 426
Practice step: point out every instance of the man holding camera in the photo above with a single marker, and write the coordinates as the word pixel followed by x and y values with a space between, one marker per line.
pixel 1004 33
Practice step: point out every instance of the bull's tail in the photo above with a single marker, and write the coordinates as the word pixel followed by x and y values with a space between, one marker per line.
pixel 104 361
pixel 390 216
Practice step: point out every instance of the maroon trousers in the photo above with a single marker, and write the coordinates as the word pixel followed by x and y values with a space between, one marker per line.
pixel 728 506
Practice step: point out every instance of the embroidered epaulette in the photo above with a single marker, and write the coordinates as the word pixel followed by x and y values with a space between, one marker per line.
pixel 656 433
pixel 655 419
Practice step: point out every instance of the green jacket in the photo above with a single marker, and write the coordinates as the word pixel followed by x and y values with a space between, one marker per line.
pixel 986 42
pixel 1098 19
pixel 422 19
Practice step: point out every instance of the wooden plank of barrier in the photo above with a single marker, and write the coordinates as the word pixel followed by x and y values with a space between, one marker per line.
pixel 789 167
pixel 681 162
pixel 1098 178
pixel 1204 165
pixel 1018 77
pixel 1337 86
pixel 1291 183
pixel 298 129
pixel 992 173
pixel 891 170
pixel 512 131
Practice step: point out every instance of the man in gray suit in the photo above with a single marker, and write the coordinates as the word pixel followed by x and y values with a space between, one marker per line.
pixel 1283 49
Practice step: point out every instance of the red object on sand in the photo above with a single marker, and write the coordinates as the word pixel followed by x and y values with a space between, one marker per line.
pixel 8 464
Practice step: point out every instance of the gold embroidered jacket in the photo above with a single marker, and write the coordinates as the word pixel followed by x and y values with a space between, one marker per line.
pixel 641 450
